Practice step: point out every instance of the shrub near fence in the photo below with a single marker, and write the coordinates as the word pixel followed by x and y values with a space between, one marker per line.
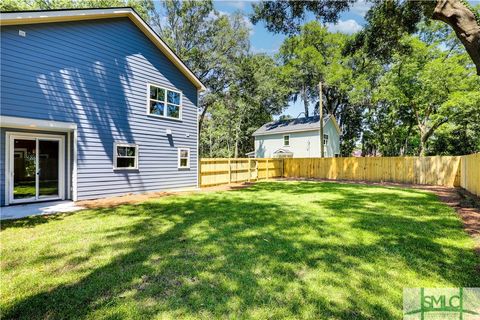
pixel 439 170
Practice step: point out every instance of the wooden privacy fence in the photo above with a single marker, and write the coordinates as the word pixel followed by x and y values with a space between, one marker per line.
pixel 223 171
pixel 439 170
pixel 443 171
pixel 470 173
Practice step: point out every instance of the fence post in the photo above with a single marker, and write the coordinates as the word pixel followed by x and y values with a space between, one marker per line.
pixel 229 171
pixel 267 169
pixel 199 172
pixel 249 169
pixel 283 168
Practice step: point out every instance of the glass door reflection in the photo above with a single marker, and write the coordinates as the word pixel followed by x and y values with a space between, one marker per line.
pixel 24 169
pixel 48 156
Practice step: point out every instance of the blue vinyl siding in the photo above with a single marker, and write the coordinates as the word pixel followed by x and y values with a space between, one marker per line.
pixel 95 74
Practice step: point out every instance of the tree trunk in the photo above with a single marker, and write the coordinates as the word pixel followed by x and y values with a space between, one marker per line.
pixel 305 100
pixel 423 144
pixel 463 21
pixel 200 121
pixel 404 148
pixel 237 138
pixel 426 133
pixel 206 104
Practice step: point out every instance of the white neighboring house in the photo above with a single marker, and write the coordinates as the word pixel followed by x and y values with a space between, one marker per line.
pixel 297 138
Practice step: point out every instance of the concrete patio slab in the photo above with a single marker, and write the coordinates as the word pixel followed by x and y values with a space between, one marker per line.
pixel 36 209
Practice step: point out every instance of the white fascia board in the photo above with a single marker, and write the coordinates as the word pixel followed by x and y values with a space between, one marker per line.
pixel 36 124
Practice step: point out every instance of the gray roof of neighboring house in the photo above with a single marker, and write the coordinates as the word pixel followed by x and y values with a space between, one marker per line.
pixel 291 125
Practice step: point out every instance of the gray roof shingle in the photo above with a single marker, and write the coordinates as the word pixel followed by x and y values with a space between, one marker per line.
pixel 291 125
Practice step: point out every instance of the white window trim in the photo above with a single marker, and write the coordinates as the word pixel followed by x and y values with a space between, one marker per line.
pixel 286 145
pixel 121 144
pixel 9 160
pixel 179 151
pixel 169 89
pixel 328 138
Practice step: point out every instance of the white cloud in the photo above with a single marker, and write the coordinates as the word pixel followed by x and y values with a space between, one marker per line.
pixel 249 24
pixel 345 26
pixel 361 7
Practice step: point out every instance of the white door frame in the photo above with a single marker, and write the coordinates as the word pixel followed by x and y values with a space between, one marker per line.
pixel 9 153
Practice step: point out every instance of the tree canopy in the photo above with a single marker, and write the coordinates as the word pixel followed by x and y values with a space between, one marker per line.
pixel 404 85
pixel 387 21
pixel 143 7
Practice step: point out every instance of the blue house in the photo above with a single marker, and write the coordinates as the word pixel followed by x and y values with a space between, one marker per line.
pixel 93 104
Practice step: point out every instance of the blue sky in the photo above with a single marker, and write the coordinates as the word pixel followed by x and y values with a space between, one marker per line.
pixel 264 41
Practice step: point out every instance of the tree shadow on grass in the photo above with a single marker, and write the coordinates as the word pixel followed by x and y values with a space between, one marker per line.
pixel 230 254
pixel 32 221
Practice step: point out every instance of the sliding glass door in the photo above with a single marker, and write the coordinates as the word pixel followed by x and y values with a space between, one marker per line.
pixel 24 169
pixel 48 173
pixel 36 168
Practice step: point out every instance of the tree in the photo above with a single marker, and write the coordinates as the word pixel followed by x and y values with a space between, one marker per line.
pixel 303 63
pixel 314 55
pixel 250 101
pixel 207 41
pixel 428 86
pixel 285 117
pixel 143 7
pixel 387 21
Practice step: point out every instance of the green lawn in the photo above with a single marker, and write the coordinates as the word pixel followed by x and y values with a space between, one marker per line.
pixel 275 250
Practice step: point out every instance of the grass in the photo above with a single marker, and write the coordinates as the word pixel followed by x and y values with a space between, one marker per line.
pixel 275 250
pixel 27 189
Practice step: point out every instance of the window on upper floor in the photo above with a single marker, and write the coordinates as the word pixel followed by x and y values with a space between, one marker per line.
pixel 165 103
pixel 286 140
pixel 325 139
pixel 125 156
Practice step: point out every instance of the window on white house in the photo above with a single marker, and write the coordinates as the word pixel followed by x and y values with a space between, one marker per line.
pixel 325 139
pixel 164 102
pixel 286 140
pixel 184 158
pixel 126 156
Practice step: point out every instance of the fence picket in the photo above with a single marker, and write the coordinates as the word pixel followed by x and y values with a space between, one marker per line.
pixel 449 171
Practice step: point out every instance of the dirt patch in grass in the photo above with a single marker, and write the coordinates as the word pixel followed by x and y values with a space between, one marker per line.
pixel 139 198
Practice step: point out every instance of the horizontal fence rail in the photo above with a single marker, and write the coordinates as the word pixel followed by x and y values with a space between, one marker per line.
pixel 448 171
pixel 224 171
pixel 441 171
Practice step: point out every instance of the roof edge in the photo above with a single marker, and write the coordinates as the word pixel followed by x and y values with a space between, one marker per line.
pixel 286 131
pixel 64 15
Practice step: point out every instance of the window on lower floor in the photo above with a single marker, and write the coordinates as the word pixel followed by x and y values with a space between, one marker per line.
pixel 183 158
pixel 126 156
pixel 325 139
